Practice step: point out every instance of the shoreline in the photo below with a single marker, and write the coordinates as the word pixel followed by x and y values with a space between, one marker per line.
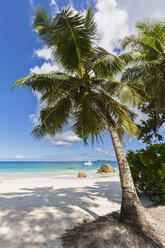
pixel 65 173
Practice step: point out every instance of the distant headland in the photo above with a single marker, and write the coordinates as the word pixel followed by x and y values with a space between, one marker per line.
pixel 105 161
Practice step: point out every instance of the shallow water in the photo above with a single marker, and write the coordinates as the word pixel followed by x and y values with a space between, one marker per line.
pixel 48 166
pixel 53 169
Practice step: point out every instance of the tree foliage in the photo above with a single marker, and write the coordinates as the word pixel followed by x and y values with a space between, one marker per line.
pixel 149 130
pixel 146 65
pixel 148 170
pixel 85 94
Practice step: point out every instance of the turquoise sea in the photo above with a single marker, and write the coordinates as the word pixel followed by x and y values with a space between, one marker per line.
pixel 7 167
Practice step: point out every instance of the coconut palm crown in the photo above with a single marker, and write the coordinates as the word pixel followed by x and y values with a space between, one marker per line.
pixel 82 93
pixel 147 57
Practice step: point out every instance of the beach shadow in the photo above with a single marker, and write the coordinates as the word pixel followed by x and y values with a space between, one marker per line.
pixel 109 232
pixel 35 217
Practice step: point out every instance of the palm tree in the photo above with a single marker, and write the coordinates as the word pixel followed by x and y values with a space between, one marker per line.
pixel 85 94
pixel 147 55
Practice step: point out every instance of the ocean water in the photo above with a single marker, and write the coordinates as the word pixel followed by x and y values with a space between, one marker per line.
pixel 22 167
pixel 12 170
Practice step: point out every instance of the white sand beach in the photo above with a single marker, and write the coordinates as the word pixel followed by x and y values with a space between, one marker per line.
pixel 35 211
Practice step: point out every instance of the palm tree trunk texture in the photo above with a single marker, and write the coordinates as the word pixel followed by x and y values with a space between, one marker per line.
pixel 131 208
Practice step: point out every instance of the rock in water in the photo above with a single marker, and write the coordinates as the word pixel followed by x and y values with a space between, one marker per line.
pixel 71 168
pixel 106 168
pixel 81 174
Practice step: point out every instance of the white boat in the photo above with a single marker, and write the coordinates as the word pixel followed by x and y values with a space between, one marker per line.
pixel 88 163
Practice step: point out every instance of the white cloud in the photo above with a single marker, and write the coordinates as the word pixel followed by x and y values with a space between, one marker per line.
pixel 117 18
pixel 112 23
pixel 48 66
pixel 65 139
pixel 44 53
pixel 34 119
pixel 60 143
pixel 102 151
pixel 162 128
pixel 54 6
pixel 31 3
pixel 71 4
pixel 142 9
pixel 20 157
pixel 17 157
pixel 68 136
pixel 45 68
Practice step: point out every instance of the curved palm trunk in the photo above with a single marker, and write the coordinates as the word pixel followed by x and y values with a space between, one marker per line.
pixel 131 208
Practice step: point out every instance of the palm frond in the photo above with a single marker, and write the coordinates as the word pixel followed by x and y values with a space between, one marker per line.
pixel 151 27
pixel 88 121
pixel 154 30
pixel 90 24
pixel 54 118
pixel 104 64
pixel 67 34
pixel 132 57
pixel 144 45
pixel 44 82
pixel 42 23
pixel 21 82
pixel 148 69
pixel 114 113
pixel 139 72
pixel 130 94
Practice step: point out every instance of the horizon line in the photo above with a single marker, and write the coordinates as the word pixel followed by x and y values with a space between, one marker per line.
pixel 58 160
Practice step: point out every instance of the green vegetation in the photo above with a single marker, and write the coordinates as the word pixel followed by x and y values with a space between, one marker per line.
pixel 148 171
pixel 149 130
pixel 146 66
pixel 147 60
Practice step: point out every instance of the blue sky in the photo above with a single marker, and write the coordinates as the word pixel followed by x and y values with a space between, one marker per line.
pixel 22 52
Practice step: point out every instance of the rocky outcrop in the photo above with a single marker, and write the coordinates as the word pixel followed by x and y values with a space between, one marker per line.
pixel 81 174
pixel 106 168
pixel 71 168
